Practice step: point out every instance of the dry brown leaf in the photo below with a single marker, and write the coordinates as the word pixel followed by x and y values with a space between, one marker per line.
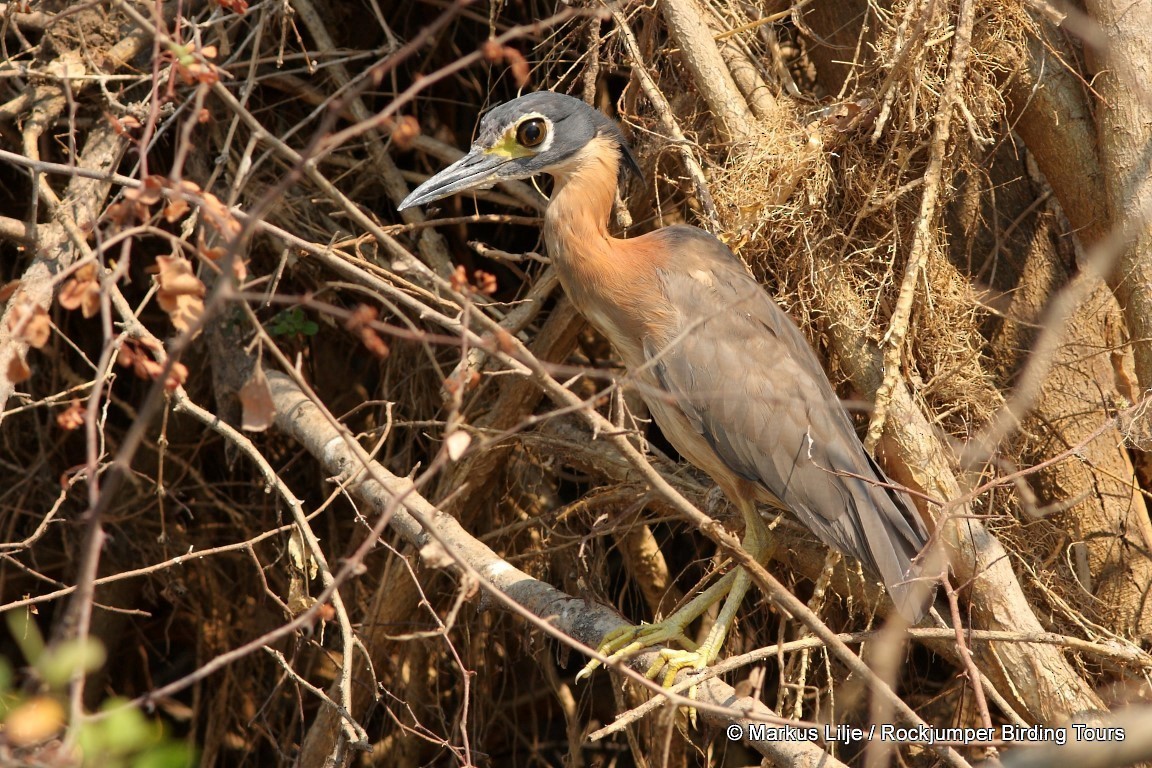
pixel 404 131
pixel 29 323
pixel 152 344
pixel 495 53
pixel 181 293
pixel 125 212
pixel 72 417
pixel 504 341
pixel 176 276
pixel 149 193
pixel 298 551
pixel 126 356
pixel 374 343
pixel 213 254
pixel 519 65
pixel 492 51
pixel 359 323
pixel 219 216
pixel 122 127
pixel 35 721
pixel 236 6
pixel 132 356
pixel 459 279
pixel 146 367
pixel 82 291
pixel 175 210
pixel 485 282
pixel 361 317
pixel 457 380
pixel 18 370
pixel 203 72
pixel 256 403
pixel 177 375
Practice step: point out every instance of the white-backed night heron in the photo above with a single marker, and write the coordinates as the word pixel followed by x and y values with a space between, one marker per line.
pixel 729 379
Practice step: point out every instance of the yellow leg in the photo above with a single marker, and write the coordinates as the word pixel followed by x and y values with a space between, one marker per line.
pixel 732 588
pixel 624 642
pixel 756 544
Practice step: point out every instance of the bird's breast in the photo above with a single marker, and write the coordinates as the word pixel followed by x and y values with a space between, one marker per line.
pixel 619 295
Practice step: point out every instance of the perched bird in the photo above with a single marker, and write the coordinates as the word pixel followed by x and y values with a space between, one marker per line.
pixel 727 376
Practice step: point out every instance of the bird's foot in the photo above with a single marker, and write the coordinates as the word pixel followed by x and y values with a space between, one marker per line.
pixel 621 643
pixel 672 662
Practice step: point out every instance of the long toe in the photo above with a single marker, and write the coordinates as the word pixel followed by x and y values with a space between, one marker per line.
pixel 622 643
pixel 619 644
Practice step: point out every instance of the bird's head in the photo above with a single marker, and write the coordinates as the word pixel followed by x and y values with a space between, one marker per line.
pixel 536 133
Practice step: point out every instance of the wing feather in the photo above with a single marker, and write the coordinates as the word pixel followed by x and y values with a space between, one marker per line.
pixel 747 381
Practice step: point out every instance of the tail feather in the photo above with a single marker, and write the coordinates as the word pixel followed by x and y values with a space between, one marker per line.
pixel 897 545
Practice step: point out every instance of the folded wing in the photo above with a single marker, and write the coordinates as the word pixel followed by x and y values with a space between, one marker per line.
pixel 749 383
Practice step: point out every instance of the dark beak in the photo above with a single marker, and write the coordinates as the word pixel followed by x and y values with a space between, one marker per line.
pixel 476 170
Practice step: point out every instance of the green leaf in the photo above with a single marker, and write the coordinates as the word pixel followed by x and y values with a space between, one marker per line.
pixel 26 634
pixel 5 676
pixel 126 730
pixel 170 755
pixel 57 665
pixel 292 322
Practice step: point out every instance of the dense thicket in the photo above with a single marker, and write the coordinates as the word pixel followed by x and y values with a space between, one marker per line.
pixel 334 483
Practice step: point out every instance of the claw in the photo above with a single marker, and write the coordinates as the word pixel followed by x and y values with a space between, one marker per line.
pixel 672 662
pixel 621 643
pixel 624 642
pixel 731 588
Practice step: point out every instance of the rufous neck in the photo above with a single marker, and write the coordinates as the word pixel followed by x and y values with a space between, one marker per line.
pixel 582 197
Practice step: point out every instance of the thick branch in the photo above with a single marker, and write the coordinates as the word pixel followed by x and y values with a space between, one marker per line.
pixel 1046 686
pixel 423 525
pixel 689 28
pixel 1124 129
pixel 85 197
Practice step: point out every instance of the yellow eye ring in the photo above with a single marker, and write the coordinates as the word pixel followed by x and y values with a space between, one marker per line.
pixel 531 133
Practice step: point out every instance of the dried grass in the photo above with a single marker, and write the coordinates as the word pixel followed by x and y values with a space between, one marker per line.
pixel 796 206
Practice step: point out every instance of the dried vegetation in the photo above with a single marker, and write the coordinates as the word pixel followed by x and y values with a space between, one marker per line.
pixel 334 483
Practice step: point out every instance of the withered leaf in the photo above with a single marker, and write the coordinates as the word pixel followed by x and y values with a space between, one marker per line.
pixel 181 293
pixel 29 323
pixel 82 291
pixel 18 371
pixel 258 410
pixel 72 417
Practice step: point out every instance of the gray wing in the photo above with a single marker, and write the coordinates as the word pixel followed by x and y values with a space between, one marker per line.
pixel 748 382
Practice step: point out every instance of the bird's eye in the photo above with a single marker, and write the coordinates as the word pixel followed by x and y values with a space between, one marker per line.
pixel 531 133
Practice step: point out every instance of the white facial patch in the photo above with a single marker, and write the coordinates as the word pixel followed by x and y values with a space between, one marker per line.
pixel 508 146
